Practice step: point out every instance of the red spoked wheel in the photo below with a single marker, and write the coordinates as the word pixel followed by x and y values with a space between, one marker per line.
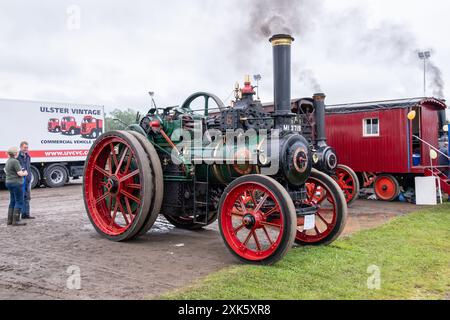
pixel 117 189
pixel 328 202
pixel 349 183
pixel 387 187
pixel 257 219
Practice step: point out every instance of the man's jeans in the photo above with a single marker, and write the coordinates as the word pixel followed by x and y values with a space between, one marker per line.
pixel 16 195
pixel 26 199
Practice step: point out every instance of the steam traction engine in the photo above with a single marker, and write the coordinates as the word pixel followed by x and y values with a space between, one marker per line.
pixel 264 192
pixel 311 116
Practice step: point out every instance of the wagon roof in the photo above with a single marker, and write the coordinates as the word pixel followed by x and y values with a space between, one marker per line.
pixel 387 105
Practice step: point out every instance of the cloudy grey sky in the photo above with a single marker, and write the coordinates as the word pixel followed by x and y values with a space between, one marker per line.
pixel 112 52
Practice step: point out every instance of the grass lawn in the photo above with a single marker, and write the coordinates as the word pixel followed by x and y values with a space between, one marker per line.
pixel 412 253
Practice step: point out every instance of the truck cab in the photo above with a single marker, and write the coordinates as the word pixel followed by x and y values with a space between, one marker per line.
pixel 53 125
pixel 69 126
pixel 91 127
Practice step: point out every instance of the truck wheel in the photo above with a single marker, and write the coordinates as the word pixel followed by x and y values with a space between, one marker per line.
pixel 55 176
pixel 257 219
pixel 35 178
pixel 57 130
pixel 72 131
pixel 117 186
pixel 325 195
pixel 349 183
pixel 386 187
pixel 94 134
pixel 156 173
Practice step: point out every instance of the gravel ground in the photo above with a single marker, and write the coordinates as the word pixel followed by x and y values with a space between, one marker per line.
pixel 36 260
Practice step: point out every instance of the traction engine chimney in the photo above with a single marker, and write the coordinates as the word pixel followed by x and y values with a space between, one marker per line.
pixel 282 78
pixel 319 105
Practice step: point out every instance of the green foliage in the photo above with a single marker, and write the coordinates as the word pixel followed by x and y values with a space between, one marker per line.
pixel 412 253
pixel 125 116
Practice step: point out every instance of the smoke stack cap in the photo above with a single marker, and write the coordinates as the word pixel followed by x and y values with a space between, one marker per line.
pixel 281 40
pixel 319 96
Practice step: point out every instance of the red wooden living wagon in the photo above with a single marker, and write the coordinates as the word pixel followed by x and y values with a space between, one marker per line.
pixel 383 146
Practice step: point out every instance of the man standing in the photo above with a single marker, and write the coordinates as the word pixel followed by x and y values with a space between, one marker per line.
pixel 25 161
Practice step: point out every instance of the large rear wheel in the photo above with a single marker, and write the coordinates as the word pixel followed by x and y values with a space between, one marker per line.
pixel 257 219
pixel 328 201
pixel 117 186
pixel 156 173
pixel 349 183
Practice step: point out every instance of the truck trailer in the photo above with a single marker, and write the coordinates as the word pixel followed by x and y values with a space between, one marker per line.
pixel 57 151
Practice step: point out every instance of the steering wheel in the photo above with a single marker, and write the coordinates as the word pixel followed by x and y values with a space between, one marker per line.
pixel 205 109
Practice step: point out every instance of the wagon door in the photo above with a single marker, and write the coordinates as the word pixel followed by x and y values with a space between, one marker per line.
pixel 429 127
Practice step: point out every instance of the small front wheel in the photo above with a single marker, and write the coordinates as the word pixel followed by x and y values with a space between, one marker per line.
pixel 257 219
pixel 349 183
pixel 328 201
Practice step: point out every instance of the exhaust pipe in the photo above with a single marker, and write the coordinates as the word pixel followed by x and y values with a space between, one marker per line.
pixel 319 105
pixel 282 78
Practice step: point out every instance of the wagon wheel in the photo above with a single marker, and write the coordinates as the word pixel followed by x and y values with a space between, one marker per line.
pixel 156 172
pixel 117 186
pixel 257 219
pixel 327 198
pixel 386 187
pixel 349 183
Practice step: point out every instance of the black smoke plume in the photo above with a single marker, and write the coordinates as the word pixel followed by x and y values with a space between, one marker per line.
pixel 437 81
pixel 269 17
pixel 348 33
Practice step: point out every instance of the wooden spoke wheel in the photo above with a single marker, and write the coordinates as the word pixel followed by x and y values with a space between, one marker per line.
pixel 117 186
pixel 349 183
pixel 386 187
pixel 325 196
pixel 257 219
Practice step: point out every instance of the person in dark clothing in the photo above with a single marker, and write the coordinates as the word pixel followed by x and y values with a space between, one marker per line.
pixel 14 183
pixel 25 161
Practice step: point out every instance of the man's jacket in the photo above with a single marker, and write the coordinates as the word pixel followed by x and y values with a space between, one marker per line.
pixel 25 162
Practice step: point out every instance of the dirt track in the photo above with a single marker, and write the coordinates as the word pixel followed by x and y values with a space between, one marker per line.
pixel 34 259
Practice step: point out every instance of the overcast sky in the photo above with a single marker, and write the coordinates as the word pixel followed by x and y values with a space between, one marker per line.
pixel 112 52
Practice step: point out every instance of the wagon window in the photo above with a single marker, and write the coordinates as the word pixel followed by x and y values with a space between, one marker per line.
pixel 371 127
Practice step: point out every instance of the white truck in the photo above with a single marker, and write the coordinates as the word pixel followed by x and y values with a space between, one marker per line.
pixel 59 136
